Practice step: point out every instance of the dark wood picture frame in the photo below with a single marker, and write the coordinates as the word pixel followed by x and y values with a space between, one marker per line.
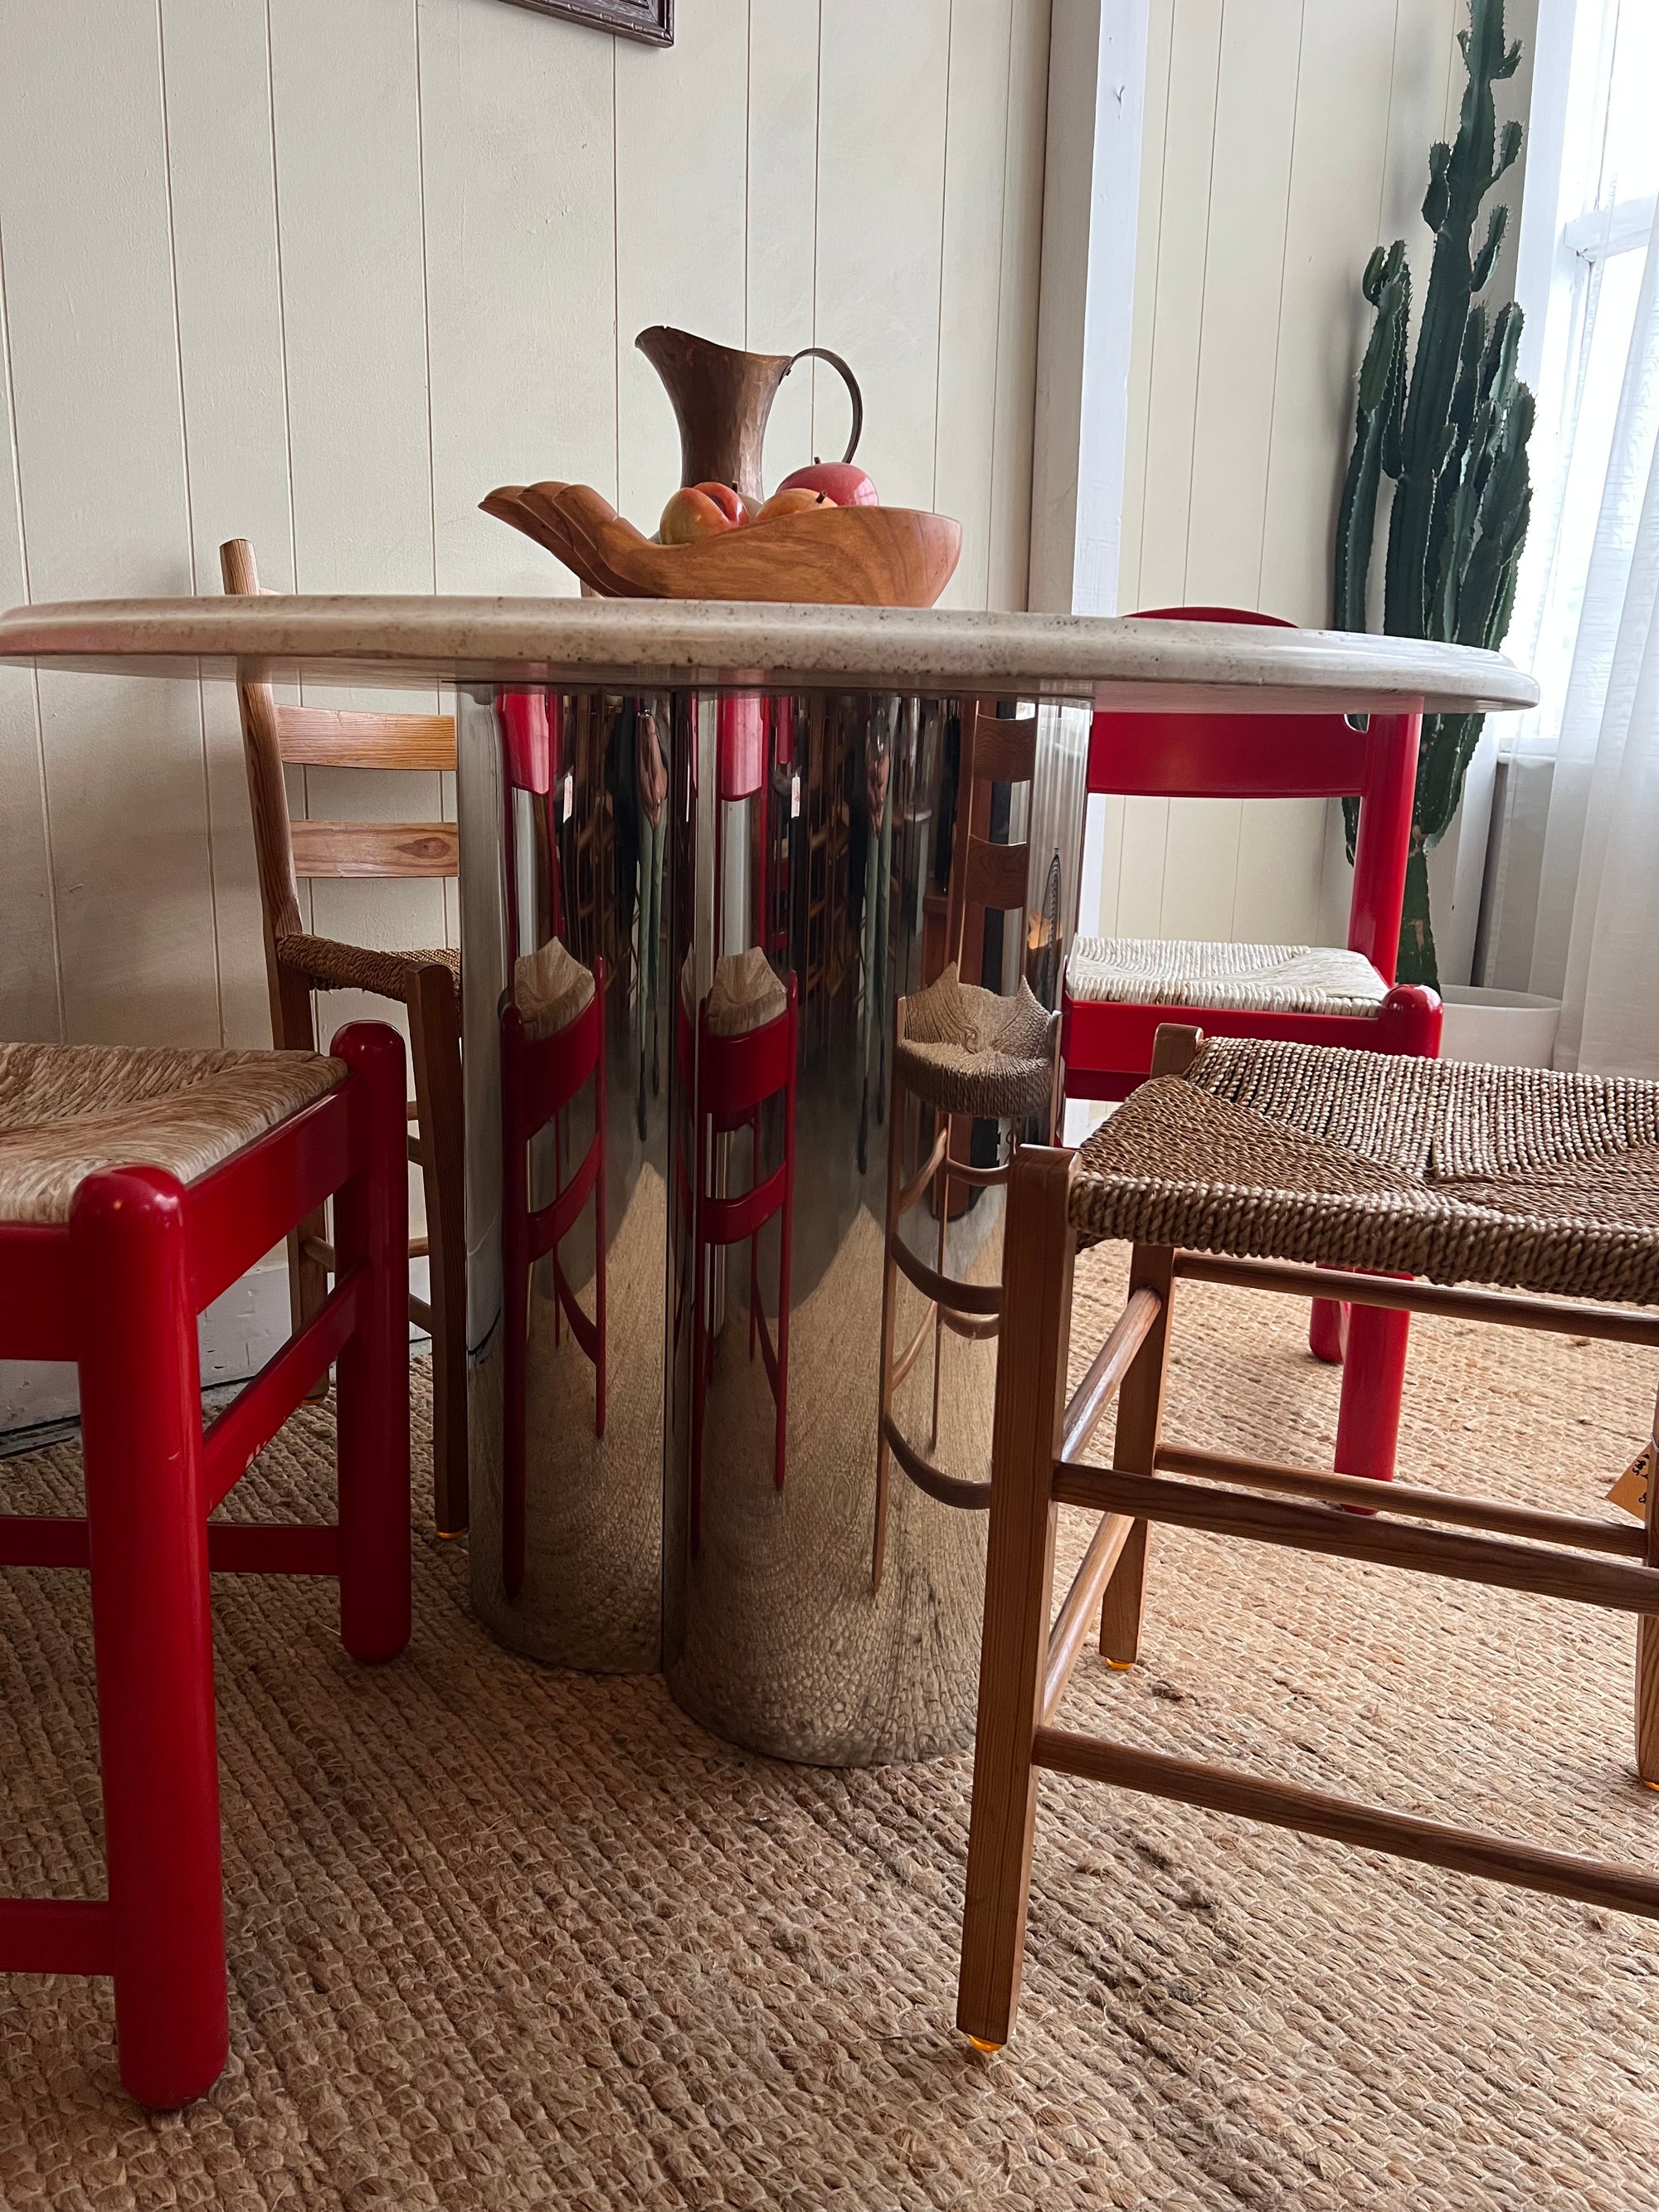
pixel 652 21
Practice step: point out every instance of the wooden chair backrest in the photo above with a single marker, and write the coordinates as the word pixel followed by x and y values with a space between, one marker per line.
pixel 992 876
pixel 326 736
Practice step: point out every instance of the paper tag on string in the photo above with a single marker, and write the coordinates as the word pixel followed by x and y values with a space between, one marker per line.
pixel 1631 1491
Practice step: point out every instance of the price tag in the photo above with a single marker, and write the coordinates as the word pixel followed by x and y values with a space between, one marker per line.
pixel 569 796
pixel 794 798
pixel 1630 1493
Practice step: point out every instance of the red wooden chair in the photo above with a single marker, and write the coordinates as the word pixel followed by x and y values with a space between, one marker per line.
pixel 1118 991
pixel 109 1266
pixel 728 1079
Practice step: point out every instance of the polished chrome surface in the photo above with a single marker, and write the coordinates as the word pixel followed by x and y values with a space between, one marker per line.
pixel 755 930
pixel 567 863
pixel 824 837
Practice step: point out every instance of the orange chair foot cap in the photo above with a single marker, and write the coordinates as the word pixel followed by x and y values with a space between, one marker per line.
pixel 1120 1666
pixel 1646 1784
pixel 979 2044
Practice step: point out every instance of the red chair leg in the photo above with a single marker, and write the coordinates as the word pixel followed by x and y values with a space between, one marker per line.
pixel 140 1411
pixel 371 1228
pixel 1373 1376
pixel 1328 1330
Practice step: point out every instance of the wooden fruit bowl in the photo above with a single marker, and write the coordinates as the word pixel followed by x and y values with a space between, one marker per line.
pixel 846 557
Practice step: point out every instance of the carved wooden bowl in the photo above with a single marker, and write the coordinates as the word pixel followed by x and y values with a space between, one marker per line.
pixel 863 557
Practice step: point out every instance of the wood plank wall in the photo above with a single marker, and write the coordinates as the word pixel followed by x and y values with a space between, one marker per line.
pixel 320 272
pixel 1283 139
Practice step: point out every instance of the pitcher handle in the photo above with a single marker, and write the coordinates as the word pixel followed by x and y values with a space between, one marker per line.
pixel 822 353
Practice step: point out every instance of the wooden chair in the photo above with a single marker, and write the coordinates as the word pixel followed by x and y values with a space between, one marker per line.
pixel 1307 1159
pixel 968 1055
pixel 428 983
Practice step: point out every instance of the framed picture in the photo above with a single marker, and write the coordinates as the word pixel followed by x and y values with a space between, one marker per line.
pixel 650 20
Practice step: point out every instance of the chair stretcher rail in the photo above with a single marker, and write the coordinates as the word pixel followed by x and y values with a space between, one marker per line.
pixel 1107 1371
pixel 1496 1516
pixel 1287 1805
pixel 1490 1559
pixel 1073 1621
pixel 1561 1317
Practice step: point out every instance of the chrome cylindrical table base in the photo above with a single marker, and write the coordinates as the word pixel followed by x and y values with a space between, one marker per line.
pixel 750 884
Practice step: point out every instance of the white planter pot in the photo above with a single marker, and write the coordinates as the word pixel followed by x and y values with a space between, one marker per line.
pixel 1510 1029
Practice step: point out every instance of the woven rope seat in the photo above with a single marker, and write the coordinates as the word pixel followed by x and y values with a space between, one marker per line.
pixel 967 1050
pixel 1281 979
pixel 1461 1173
pixel 550 988
pixel 335 967
pixel 746 993
pixel 67 1111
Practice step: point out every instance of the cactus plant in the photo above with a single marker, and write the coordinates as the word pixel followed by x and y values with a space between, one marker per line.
pixel 1452 436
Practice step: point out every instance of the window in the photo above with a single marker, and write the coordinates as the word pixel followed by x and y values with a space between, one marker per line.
pixel 1593 168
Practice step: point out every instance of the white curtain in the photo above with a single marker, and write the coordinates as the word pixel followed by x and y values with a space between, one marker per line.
pixel 1597 940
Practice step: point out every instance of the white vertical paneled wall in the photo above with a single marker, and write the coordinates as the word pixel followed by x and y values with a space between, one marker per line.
pixel 1284 140
pixel 321 273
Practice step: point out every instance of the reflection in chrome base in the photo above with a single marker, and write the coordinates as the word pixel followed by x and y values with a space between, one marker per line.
pixel 825 833
pixel 772 868
pixel 551 848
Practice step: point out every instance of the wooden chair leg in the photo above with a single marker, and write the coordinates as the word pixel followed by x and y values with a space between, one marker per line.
pixel 435 1027
pixel 1140 1400
pixel 942 1196
pixel 1647 1698
pixel 371 1214
pixel 1647 1637
pixel 293 1029
pixel 1139 1418
pixel 1038 1251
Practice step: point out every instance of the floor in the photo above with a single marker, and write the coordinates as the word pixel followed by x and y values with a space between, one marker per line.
pixel 500 1936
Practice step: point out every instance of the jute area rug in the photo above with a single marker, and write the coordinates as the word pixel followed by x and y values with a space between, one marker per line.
pixel 500 1936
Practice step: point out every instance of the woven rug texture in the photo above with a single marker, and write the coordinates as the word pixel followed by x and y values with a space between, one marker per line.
pixel 502 1936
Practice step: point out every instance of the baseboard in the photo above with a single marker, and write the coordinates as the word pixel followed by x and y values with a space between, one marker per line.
pixel 236 1335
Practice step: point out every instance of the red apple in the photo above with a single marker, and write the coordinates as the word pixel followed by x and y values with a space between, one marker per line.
pixel 843 482
pixel 693 514
pixel 729 500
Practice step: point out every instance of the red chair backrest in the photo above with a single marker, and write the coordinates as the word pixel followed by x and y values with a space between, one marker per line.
pixel 737 1073
pixel 1231 755
pixel 1225 755
pixel 554 1069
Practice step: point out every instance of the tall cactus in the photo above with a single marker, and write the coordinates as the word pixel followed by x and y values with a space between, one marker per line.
pixel 1452 436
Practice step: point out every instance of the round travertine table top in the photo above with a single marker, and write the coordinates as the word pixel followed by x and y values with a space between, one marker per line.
pixel 1115 661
